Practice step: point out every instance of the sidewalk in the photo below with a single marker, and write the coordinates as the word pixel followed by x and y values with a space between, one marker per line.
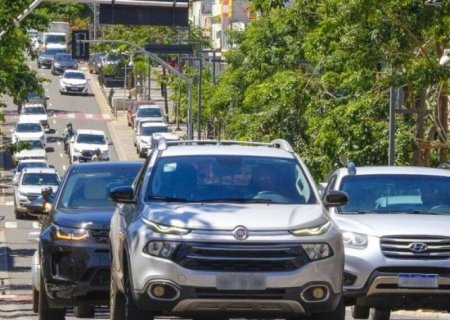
pixel 121 133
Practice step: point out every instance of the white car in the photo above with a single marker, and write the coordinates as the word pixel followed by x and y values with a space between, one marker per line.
pixel 28 163
pixel 150 112
pixel 30 185
pixel 85 142
pixel 28 129
pixel 143 135
pixel 73 81
pixel 36 151
pixel 35 111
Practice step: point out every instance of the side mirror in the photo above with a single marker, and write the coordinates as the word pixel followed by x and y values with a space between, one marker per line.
pixel 122 195
pixel 334 198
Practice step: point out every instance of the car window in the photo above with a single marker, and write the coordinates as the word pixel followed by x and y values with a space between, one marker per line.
pixel 396 193
pixel 40 179
pixel 149 112
pixel 28 127
pixel 36 144
pixel 63 57
pixel 34 110
pixel 91 189
pixel 91 138
pixel 23 165
pixel 74 75
pixel 148 131
pixel 216 178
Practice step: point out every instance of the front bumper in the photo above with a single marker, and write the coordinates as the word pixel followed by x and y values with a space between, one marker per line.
pixel 199 281
pixel 74 89
pixel 76 273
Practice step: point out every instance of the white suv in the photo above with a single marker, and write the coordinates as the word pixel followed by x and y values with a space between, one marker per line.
pixel 217 229
pixel 84 144
pixel 30 184
pixel 396 229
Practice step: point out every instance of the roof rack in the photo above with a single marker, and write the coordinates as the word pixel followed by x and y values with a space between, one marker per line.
pixel 277 143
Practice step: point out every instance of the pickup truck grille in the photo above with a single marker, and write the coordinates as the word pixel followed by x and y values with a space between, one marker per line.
pixel 416 247
pixel 268 257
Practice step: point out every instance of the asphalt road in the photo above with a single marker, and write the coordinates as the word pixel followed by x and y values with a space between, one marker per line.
pixel 16 251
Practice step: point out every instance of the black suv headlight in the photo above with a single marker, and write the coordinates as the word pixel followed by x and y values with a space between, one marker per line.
pixel 161 249
pixel 71 234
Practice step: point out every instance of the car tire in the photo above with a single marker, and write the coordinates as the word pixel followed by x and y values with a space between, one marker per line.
pixel 45 311
pixel 381 314
pixel 35 300
pixel 360 312
pixel 84 312
pixel 131 311
pixel 116 302
pixel 337 314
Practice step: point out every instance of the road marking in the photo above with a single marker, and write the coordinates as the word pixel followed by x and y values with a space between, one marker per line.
pixel 9 203
pixel 71 115
pixel 54 121
pixel 64 167
pixel 36 225
pixel 61 155
pixel 89 115
pixel 11 225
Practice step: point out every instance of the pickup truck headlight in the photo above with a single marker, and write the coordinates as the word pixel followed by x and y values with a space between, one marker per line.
pixel 354 240
pixel 63 233
pixel 161 249
pixel 313 231
pixel 160 228
pixel 317 251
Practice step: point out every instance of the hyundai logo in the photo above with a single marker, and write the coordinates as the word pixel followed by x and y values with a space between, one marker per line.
pixel 240 233
pixel 418 247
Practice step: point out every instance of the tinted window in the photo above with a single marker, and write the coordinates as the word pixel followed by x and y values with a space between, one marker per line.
pixel 396 193
pixel 149 112
pixel 23 165
pixel 28 127
pixel 53 38
pixel 40 179
pixel 91 139
pixel 229 178
pixel 148 131
pixel 91 189
pixel 74 75
pixel 63 57
pixel 34 110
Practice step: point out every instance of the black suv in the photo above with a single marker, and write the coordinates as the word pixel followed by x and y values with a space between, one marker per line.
pixel 74 244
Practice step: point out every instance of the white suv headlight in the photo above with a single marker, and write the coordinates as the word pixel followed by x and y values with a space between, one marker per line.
pixel 314 231
pixel 160 228
pixel 354 240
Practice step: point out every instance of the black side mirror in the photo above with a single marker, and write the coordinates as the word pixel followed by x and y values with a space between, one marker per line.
pixel 122 195
pixel 334 198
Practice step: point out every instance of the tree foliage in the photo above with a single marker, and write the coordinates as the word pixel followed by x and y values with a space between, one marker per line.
pixel 318 74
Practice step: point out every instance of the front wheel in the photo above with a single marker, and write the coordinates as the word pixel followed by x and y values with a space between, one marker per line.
pixel 45 311
pixel 84 311
pixel 35 300
pixel 360 312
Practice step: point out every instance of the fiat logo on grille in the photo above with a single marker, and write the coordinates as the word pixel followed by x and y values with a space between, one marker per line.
pixel 240 233
pixel 418 247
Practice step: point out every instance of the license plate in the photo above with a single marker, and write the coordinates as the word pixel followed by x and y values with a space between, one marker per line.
pixel 246 281
pixel 75 89
pixel 415 280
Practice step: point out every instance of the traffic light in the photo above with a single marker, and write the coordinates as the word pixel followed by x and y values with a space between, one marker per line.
pixel 80 50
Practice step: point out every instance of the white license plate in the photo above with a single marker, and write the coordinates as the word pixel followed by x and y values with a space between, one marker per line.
pixel 416 280
pixel 240 281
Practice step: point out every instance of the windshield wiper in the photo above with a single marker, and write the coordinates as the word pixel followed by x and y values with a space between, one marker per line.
pixel 360 212
pixel 424 212
pixel 166 198
pixel 238 200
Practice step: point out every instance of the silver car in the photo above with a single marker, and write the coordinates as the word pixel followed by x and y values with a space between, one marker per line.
pixel 396 229
pixel 222 229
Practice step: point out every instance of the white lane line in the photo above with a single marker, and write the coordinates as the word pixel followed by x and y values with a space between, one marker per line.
pixel 11 225
pixel 71 115
pixel 9 203
pixel 89 115
pixel 64 167
pixel 61 155
pixel 54 121
pixel 36 225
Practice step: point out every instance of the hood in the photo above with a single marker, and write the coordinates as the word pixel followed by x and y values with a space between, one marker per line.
pixel 40 117
pixel 33 153
pixel 395 224
pixel 29 135
pixel 226 216
pixel 88 218
pixel 165 135
pixel 50 45
pixel 90 147
pixel 36 189
pixel 74 81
